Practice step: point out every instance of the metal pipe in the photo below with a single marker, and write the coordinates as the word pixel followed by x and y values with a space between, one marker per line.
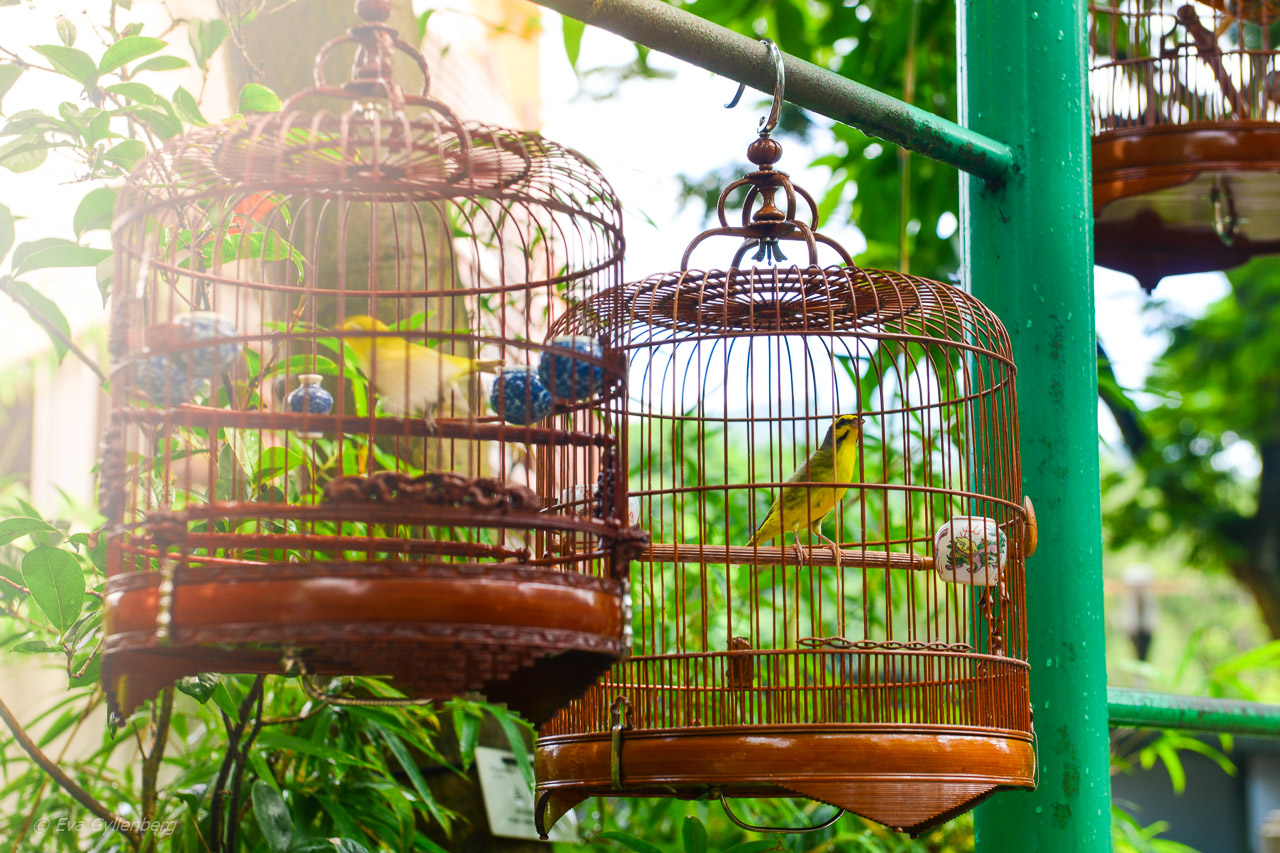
pixel 1028 254
pixel 1142 709
pixel 665 28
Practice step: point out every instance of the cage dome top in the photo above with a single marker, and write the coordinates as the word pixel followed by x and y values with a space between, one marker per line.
pixel 372 138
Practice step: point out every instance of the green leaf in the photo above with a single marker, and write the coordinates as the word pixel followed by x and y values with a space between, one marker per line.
pixel 95 212
pixel 278 740
pixel 263 769
pixel 69 255
pixel 105 273
pixel 66 31
pixel 205 38
pixel 161 122
pixel 272 815
pixel 184 103
pixel 6 231
pixel 199 687
pixel 467 727
pixel 161 63
pixel 126 153
pixel 9 74
pixel 401 752
pixel 258 98
pixel 35 647
pixel 32 246
pixel 127 50
pixel 84 627
pixel 140 92
pixel 515 737
pixel 695 835
pixel 92 673
pixel 573 30
pixel 630 842
pixel 28 122
pixel 16 528
pixel 757 846
pixel 422 24
pixel 56 583
pixel 223 699
pixel 44 311
pixel 69 61
pixel 24 153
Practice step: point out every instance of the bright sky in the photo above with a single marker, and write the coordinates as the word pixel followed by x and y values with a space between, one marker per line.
pixel 640 140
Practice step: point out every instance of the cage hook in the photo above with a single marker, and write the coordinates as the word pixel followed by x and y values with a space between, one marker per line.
pixel 1226 224
pixel 769 122
pixel 620 718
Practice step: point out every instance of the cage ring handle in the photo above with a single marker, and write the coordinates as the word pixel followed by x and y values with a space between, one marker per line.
pixel 317 69
pixel 769 122
pixel 751 827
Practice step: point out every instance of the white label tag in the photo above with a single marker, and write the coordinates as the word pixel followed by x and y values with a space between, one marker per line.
pixel 508 802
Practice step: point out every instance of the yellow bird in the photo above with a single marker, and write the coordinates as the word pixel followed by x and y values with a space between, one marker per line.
pixel 409 378
pixel 803 507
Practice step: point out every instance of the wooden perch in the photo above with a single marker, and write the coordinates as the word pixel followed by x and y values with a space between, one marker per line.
pixel 1208 51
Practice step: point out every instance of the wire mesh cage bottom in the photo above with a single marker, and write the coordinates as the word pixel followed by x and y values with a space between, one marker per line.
pixel 902 736
pixel 1176 199
pixel 436 631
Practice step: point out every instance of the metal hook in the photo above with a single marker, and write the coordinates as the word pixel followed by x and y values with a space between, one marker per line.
pixel 768 123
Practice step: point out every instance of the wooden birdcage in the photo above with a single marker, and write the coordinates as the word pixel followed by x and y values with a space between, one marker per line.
pixel 1186 134
pixel 305 459
pixel 887 676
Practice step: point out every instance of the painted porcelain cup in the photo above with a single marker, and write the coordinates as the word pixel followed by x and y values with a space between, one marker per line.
pixel 970 549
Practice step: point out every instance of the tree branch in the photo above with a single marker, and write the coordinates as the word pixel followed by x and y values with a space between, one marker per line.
pixel 1120 406
pixel 151 761
pixel 62 753
pixel 238 776
pixel 80 795
pixel 54 331
pixel 234 732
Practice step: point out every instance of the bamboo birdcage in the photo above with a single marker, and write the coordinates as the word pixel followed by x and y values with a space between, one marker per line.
pixel 278 484
pixel 1186 134
pixel 867 681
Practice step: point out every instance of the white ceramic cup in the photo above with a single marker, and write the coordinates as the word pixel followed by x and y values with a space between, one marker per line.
pixel 970 549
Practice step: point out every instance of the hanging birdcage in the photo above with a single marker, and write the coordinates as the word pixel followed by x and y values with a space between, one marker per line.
pixel 308 458
pixel 1186 134
pixel 832 602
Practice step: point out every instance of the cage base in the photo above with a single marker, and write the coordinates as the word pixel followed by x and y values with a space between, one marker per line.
pixel 436 631
pixel 1153 191
pixel 909 778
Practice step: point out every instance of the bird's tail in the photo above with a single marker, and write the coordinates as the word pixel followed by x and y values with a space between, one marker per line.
pixel 486 365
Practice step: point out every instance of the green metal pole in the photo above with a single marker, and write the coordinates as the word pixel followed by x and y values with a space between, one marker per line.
pixel 1028 253
pixel 1142 709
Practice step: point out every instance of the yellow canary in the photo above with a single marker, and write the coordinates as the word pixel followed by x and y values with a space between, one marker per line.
pixel 803 507
pixel 409 378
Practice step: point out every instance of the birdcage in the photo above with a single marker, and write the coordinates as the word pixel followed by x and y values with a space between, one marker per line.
pixel 1186 134
pixel 866 646
pixel 309 464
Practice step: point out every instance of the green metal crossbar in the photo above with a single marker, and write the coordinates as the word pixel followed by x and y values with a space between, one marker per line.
pixel 1027 231
pixel 1142 709
pixel 669 30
